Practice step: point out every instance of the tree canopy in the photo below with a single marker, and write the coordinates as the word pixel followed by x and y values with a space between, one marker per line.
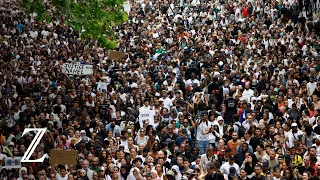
pixel 94 19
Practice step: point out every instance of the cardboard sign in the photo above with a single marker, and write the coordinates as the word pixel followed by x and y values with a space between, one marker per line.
pixel 77 69
pixel 63 157
pixel 116 55
pixel 11 163
pixel 148 115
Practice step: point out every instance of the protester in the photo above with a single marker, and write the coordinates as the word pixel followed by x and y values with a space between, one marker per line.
pixel 205 90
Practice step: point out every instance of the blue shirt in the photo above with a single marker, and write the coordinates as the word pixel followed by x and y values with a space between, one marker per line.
pixel 180 140
pixel 20 26
pixel 114 130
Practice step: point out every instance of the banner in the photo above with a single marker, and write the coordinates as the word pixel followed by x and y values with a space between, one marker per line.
pixel 12 163
pixel 145 114
pixel 77 69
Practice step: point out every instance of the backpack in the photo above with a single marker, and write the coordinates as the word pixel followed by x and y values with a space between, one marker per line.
pixel 241 130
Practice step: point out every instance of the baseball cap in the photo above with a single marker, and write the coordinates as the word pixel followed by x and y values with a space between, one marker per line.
pixel 294 125
pixel 231 157
pixel 184 178
pixel 169 140
pixel 184 131
pixel 265 163
pixel 293 147
pixel 190 172
pixel 232 171
pixel 170 173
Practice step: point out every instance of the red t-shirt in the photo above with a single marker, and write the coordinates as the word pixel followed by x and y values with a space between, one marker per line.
pixel 245 12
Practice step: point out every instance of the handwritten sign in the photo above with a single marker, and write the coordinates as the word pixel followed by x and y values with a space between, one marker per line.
pixel 148 115
pixel 77 69
pixel 63 157
pixel 116 55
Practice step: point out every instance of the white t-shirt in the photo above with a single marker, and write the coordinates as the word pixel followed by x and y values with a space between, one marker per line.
pixel 58 177
pixel 247 94
pixel 293 136
pixel 226 166
pixel 203 128
pixel 167 102
pixel 311 87
pixel 195 81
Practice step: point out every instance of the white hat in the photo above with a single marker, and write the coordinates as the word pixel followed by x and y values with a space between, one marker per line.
pixel 134 85
pixel 24 169
pixel 102 168
pixel 82 131
pixel 219 118
pixel 294 125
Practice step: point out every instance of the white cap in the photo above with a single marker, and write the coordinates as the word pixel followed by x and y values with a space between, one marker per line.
pixel 294 124
pixel 219 118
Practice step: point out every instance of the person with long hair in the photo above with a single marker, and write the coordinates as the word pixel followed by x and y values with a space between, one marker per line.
pixel 141 138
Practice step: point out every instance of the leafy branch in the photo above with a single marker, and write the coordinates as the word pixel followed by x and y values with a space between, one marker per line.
pixel 94 19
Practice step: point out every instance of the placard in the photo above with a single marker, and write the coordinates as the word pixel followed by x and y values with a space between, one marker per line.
pixel 11 163
pixel 102 87
pixel 64 157
pixel 145 114
pixel 116 55
pixel 126 7
pixel 77 69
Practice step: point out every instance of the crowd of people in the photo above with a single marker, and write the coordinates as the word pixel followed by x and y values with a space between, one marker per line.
pixel 233 86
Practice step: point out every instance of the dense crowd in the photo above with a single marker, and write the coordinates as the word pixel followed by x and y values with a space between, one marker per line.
pixel 233 89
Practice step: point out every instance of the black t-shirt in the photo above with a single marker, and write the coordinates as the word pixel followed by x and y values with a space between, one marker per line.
pixel 315 178
pixel 255 178
pixel 216 176
pixel 231 105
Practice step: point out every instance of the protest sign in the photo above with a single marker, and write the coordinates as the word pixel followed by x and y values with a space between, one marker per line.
pixel 63 157
pixel 77 69
pixel 146 114
pixel 11 163
pixel 115 55
pixel 126 7
pixel 102 86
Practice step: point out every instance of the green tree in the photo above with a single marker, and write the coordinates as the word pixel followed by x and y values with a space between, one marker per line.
pixel 95 19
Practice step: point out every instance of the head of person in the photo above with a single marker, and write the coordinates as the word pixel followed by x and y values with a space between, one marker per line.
pixel 235 136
